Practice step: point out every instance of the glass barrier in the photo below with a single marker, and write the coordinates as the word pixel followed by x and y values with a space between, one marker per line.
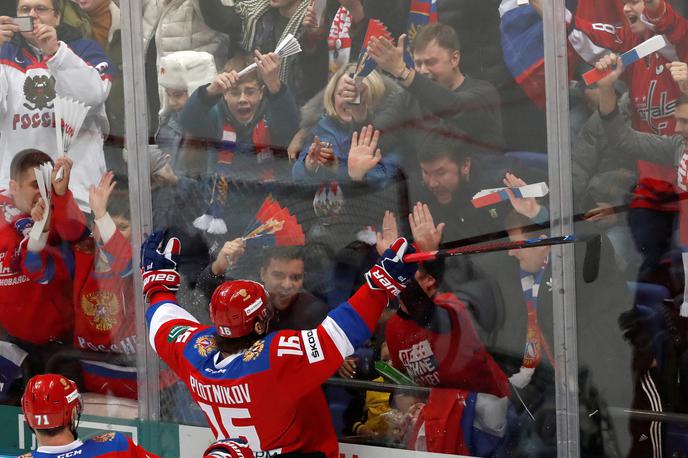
pixel 289 143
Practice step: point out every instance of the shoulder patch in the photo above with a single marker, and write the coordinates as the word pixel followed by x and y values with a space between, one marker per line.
pixel 107 437
pixel 205 345
pixel 176 331
pixel 255 351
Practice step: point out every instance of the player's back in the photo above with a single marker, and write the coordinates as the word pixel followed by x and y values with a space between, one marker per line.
pixel 250 394
pixel 108 445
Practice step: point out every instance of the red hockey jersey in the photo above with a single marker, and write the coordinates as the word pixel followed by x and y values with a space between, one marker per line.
pixel 270 393
pixel 35 303
pixel 653 97
pixel 102 300
pixel 108 445
pixel 454 360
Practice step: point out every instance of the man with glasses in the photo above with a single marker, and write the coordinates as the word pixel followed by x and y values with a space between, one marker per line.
pixel 42 60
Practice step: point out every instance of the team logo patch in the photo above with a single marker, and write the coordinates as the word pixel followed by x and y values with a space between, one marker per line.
pixel 175 332
pixel 253 352
pixel 39 92
pixel 102 67
pixel 107 437
pixel 103 308
pixel 205 345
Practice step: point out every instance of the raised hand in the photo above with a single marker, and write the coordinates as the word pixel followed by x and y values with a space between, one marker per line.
pixel 312 161
pixel 679 72
pixel 268 68
pixel 222 83
pixel 7 29
pixel 426 235
pixel 98 196
pixel 389 233
pixel 349 90
pixel 46 36
pixel 364 153
pixel 159 268
pixel 37 212
pixel 609 62
pixel 388 57
pixel 310 20
pixel 526 206
pixel 229 254
pixel 61 186
pixel 391 274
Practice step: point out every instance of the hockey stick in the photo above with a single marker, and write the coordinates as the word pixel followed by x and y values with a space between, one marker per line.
pixel 488 248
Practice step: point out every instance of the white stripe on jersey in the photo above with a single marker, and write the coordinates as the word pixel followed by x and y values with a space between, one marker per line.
pixel 338 336
pixel 166 312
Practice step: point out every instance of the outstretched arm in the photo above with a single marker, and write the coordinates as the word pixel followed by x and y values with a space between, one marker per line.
pixel 303 360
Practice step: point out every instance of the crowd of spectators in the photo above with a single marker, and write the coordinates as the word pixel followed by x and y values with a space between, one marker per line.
pixel 443 110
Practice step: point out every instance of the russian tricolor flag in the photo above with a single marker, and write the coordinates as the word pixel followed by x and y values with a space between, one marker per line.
pixel 421 13
pixel 523 46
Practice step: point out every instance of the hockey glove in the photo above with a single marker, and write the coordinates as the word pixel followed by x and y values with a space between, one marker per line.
pixel 390 273
pixel 159 269
pixel 229 448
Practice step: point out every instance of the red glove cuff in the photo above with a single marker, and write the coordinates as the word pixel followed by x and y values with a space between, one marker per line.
pixel 379 279
pixel 160 280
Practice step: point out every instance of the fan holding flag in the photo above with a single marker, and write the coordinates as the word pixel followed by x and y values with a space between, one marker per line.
pixel 341 146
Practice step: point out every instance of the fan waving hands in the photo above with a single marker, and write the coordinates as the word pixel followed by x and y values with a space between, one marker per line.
pixel 364 154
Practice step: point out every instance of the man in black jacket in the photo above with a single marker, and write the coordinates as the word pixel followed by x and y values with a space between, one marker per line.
pixel 439 96
pixel 282 273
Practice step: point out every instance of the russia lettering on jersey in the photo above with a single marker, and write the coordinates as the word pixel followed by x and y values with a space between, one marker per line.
pixel 269 393
pixel 28 87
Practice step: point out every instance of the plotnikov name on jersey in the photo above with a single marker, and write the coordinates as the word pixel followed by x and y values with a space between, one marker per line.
pixel 238 394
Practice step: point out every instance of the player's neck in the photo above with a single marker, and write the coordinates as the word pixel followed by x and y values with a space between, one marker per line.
pixel 62 439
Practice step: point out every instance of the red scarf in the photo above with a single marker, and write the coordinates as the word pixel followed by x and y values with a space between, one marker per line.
pixel 261 142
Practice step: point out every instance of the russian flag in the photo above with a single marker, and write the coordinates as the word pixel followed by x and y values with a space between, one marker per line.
pixel 421 13
pixel 523 46
pixel 523 40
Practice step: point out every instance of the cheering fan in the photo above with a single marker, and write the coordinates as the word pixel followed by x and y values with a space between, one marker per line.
pixel 69 116
pixel 287 47
pixel 43 180
pixel 275 225
pixel 365 64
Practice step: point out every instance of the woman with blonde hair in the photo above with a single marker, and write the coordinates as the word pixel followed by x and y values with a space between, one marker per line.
pixel 343 145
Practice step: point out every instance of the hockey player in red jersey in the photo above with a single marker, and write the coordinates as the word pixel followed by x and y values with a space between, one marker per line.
pixel 52 407
pixel 249 382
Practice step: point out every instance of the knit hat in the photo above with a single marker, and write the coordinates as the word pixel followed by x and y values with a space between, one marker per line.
pixel 185 70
